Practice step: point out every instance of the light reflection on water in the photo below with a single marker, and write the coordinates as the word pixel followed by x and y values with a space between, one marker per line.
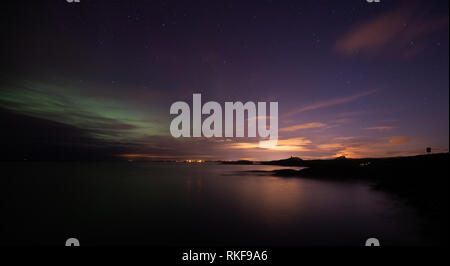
pixel 204 204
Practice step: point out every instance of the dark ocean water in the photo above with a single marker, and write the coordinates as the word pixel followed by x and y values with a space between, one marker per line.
pixel 193 204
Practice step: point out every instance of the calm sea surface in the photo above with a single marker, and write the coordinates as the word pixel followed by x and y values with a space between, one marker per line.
pixel 193 204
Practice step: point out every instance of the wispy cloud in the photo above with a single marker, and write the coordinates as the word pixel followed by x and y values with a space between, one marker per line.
pixel 330 102
pixel 402 31
pixel 359 147
pixel 292 144
pixel 303 126
pixel 399 140
pixel 351 147
pixel 379 128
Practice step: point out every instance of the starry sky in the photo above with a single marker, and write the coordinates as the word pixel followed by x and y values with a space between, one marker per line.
pixel 96 79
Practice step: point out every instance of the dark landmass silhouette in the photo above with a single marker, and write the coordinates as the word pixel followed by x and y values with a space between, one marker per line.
pixel 293 161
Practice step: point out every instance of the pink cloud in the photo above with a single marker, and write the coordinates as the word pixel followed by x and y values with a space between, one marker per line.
pixel 303 126
pixel 330 102
pixel 403 31
pixel 379 128
pixel 398 140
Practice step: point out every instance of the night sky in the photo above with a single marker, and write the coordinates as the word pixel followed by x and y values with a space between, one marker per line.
pixel 96 79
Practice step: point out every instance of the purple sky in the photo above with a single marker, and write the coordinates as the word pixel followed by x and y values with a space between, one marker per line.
pixel 351 78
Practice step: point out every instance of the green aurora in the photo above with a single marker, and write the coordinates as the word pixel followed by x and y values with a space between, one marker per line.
pixel 105 119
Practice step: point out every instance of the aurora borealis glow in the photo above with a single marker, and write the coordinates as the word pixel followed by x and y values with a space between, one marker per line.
pixel 350 79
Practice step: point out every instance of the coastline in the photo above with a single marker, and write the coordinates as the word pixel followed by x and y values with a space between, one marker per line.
pixel 420 181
